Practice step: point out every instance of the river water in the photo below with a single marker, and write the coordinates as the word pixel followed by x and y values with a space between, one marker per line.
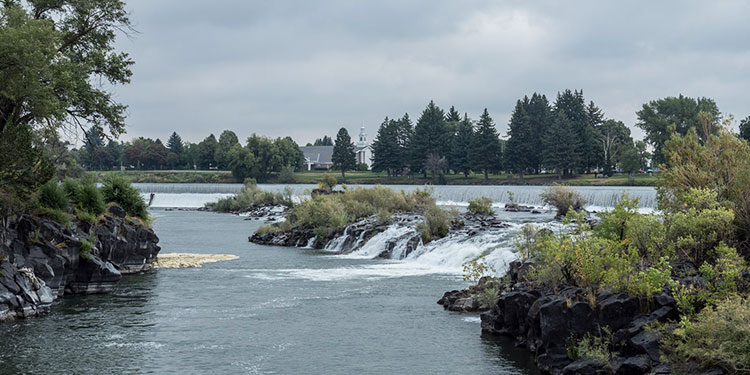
pixel 274 310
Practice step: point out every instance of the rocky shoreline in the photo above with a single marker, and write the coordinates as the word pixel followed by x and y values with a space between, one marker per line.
pixel 544 321
pixel 41 259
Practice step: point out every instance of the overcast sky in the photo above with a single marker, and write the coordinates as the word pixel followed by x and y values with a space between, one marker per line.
pixel 305 68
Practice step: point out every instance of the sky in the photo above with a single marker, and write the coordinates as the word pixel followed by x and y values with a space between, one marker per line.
pixel 306 68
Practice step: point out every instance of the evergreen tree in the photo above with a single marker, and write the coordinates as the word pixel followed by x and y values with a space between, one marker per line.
pixel 404 135
pixel 540 117
pixel 429 137
pixel 452 115
pixel 385 148
pixel 520 146
pixel 325 141
pixel 174 143
pixel 460 155
pixel 486 153
pixel 745 128
pixel 571 105
pixel 343 152
pixel 592 153
pixel 561 145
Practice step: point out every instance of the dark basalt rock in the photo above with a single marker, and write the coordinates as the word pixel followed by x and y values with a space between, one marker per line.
pixel 41 260
pixel 585 367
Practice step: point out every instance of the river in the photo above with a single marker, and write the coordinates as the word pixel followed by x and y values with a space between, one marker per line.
pixel 277 310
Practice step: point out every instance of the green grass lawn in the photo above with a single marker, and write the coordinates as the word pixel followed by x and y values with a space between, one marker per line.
pixel 369 177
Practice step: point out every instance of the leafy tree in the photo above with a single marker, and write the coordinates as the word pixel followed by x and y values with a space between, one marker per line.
pixel 227 140
pixel 343 152
pixel 521 140
pixel 461 147
pixel 614 138
pixel 286 154
pixel 656 118
pixel 429 137
pixel 486 150
pixel 242 162
pixel 52 53
pixel 206 157
pixel 630 161
pixel 436 165
pixel 745 128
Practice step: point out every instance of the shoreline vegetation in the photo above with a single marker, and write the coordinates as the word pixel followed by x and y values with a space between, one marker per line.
pixel 375 178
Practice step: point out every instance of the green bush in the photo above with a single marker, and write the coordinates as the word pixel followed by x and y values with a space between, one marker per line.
pixel 117 189
pixel 249 197
pixel 436 224
pixel 86 216
pixel 476 269
pixel 85 195
pixel 718 336
pixel 481 206
pixel 563 199
pixel 51 196
pixel 488 296
pixel 286 176
pixel 53 214
pixel 590 347
pixel 85 251
pixel 328 182
pixel 267 229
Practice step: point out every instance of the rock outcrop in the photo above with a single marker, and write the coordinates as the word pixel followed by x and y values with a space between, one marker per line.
pixel 41 259
pixel 546 322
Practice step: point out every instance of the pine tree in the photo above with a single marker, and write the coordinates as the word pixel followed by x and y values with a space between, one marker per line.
pixel 540 118
pixel 561 146
pixel 385 148
pixel 520 146
pixel 452 115
pixel 461 147
pixel 429 137
pixel 571 104
pixel 343 152
pixel 404 135
pixel 593 156
pixel 174 143
pixel 486 153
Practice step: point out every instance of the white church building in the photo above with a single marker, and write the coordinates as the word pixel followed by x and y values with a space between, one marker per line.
pixel 319 157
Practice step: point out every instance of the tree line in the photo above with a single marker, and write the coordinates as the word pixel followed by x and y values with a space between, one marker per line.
pixel 564 137
pixel 258 158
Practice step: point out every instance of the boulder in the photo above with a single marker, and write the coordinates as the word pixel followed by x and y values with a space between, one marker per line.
pixel 585 367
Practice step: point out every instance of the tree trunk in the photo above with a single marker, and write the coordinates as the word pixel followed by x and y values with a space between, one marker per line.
pixel 343 177
pixel 486 175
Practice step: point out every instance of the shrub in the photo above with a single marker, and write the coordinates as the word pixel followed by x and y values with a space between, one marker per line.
pixel 436 224
pixel 590 347
pixel 249 197
pixel 488 296
pixel 286 176
pixel 481 206
pixel 85 195
pixel 86 216
pixel 53 214
pixel 563 199
pixel 117 189
pixel 51 196
pixel 328 182
pixel 718 336
pixel 476 269
pixel 85 251
pixel 267 229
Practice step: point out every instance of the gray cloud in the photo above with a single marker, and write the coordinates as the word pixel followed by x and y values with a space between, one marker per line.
pixel 306 68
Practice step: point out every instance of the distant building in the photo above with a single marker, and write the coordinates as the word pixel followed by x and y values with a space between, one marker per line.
pixel 318 157
pixel 362 149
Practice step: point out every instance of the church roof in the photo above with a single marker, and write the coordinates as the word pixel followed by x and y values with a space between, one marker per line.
pixel 318 154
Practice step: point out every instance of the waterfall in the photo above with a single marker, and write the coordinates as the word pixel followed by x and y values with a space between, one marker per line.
pixel 597 197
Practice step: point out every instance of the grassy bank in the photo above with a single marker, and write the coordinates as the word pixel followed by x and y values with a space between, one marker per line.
pixel 373 178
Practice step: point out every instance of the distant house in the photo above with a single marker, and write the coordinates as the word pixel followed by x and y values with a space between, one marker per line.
pixel 318 157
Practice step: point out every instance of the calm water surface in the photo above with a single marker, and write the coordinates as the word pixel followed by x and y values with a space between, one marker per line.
pixel 273 311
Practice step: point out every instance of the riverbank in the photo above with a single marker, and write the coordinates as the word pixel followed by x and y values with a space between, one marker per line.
pixel 41 259
pixel 373 178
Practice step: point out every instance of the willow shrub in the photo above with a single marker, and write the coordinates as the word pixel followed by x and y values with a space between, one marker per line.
pixel 251 196
pixel 481 206
pixel 563 199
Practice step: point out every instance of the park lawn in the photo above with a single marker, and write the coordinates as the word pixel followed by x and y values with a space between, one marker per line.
pixel 170 176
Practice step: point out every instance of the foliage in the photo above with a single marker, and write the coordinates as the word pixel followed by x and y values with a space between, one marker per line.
pixel 56 215
pixel 267 229
pixel 718 336
pixel 476 269
pixel 481 206
pixel 681 113
pixel 343 157
pixel 85 195
pixel 286 176
pixel 563 199
pixel 590 347
pixel 460 156
pixel 328 182
pixel 86 216
pixel 85 251
pixel 249 197
pixel 52 196
pixel 488 296
pixel 486 152
pixel 117 188
pixel 429 137
pixel 436 223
